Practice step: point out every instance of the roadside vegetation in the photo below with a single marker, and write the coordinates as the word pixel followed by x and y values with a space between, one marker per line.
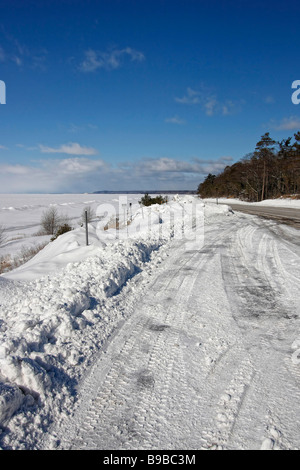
pixel 8 263
pixel 52 223
pixel 148 200
pixel 272 170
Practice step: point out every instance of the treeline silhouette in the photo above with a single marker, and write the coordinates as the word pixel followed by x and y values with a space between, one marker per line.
pixel 271 171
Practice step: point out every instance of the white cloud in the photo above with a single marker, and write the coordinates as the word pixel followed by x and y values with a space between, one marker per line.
pixel 209 102
pixel 111 60
pixel 166 165
pixel 172 169
pixel 71 148
pixel 175 120
pixel 15 169
pixel 286 124
pixel 191 97
pixel 229 107
pixel 21 55
pixel 17 60
pixel 22 146
pixel 83 174
pixel 77 166
pixel 2 147
pixel 210 106
pixel 75 174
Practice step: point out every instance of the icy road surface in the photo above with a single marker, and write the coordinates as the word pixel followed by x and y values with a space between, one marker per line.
pixel 207 356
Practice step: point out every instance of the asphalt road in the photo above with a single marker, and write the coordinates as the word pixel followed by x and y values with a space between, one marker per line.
pixel 281 214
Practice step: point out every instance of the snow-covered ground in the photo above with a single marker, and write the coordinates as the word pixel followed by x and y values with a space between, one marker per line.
pixel 178 331
pixel 20 215
pixel 280 202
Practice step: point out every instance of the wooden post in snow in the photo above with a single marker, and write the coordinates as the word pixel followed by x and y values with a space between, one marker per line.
pixel 86 228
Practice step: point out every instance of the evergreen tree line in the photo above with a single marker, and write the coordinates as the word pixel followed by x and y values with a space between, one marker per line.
pixel 271 171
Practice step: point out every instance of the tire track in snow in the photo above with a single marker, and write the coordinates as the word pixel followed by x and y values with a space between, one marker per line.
pixel 293 280
pixel 231 402
pixel 130 407
pixel 267 342
pixel 280 336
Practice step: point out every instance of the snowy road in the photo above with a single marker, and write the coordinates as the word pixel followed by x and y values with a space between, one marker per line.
pixel 287 215
pixel 207 356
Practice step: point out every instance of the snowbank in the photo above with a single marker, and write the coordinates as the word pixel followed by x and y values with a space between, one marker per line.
pixel 67 248
pixel 280 202
pixel 59 308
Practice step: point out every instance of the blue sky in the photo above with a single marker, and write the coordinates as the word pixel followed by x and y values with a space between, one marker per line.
pixel 141 95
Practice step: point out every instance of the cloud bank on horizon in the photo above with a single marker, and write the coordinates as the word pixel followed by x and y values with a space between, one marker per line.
pixel 87 174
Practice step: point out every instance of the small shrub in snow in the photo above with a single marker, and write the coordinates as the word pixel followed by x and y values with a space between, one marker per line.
pixel 90 214
pixel 148 200
pixel 114 222
pixel 62 229
pixel 50 221
pixel 5 264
